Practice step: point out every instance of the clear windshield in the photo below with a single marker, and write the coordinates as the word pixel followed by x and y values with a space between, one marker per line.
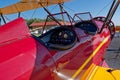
pixel 82 17
pixel 57 20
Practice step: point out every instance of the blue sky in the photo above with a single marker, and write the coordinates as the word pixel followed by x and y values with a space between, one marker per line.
pixel 96 7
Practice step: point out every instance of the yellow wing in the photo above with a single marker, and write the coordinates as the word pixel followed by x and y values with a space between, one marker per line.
pixel 101 73
pixel 25 5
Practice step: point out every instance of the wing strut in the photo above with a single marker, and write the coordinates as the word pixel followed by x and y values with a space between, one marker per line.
pixel 19 14
pixel 3 18
pixel 61 9
pixel 0 22
pixel 113 8
pixel 49 13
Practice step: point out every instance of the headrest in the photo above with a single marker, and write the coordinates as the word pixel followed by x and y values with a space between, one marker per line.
pixel 13 30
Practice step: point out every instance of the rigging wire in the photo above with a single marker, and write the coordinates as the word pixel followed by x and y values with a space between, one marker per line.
pixel 24 16
pixel 69 8
pixel 33 13
pixel 7 18
pixel 53 8
pixel 103 8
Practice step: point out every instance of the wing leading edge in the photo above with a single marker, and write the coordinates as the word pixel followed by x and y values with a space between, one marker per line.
pixel 25 5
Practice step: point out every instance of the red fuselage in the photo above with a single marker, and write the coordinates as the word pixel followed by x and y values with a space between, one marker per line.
pixel 22 57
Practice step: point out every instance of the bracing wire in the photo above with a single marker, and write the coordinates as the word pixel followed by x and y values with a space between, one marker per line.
pixel 7 18
pixel 34 13
pixel 24 16
pixel 53 8
pixel 69 8
pixel 103 8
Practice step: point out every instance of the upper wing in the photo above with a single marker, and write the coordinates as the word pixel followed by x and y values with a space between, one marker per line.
pixel 25 5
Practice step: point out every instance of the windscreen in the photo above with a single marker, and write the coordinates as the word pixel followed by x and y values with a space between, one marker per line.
pixel 82 17
pixel 57 20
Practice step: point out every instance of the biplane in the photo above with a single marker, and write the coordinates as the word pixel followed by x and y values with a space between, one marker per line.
pixel 74 50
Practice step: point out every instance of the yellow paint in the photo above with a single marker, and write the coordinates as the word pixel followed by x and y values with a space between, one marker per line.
pixel 91 56
pixel 89 71
pixel 100 73
pixel 28 5
pixel 93 73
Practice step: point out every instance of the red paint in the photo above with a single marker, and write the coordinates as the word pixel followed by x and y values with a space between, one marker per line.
pixel 19 52
pixel 24 58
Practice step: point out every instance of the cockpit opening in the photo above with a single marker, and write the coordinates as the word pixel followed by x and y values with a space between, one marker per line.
pixel 88 26
pixel 60 38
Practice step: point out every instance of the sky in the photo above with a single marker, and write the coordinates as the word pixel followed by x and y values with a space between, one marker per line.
pixel 95 7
